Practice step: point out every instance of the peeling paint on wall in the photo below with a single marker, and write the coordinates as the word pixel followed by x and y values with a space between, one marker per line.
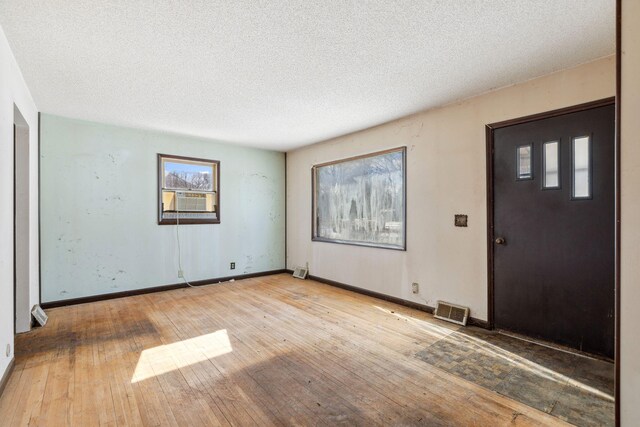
pixel 99 211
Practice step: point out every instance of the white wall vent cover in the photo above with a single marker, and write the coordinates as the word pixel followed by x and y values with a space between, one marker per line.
pixel 38 313
pixel 300 273
pixel 452 313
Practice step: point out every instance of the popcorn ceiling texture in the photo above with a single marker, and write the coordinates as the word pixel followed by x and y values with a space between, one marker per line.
pixel 282 74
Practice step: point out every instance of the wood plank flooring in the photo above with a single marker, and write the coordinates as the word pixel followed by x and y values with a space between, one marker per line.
pixel 266 351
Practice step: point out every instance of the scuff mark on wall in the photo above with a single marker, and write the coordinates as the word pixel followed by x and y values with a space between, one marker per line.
pixel 248 267
pixel 113 198
pixel 419 131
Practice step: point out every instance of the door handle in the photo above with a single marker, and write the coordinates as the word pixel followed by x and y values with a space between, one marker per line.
pixel 500 241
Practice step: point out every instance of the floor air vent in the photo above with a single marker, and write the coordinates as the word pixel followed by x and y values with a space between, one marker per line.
pixel 452 313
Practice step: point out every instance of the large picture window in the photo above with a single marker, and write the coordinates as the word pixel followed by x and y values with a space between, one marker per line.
pixel 361 200
pixel 188 190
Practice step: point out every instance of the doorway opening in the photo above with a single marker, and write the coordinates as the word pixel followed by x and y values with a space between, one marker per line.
pixel 21 232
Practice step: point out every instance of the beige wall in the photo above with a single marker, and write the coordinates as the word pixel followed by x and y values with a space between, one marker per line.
pixel 446 169
pixel 630 215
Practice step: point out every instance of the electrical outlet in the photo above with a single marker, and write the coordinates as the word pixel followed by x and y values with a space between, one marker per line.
pixel 233 266
pixel 180 274
pixel 415 288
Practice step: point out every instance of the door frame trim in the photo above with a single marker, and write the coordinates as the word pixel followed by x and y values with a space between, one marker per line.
pixel 15 274
pixel 489 129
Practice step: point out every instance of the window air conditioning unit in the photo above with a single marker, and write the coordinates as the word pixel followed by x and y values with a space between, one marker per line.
pixel 452 313
pixel 191 202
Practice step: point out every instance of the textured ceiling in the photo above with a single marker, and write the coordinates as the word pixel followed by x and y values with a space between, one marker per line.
pixel 282 74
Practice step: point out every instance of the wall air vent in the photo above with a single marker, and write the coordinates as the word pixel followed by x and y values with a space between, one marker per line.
pixel 38 313
pixel 300 273
pixel 452 313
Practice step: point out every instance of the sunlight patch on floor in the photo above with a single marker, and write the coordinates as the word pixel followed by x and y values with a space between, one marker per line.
pixel 160 360
pixel 432 329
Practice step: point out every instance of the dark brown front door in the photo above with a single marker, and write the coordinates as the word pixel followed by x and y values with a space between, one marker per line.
pixel 553 229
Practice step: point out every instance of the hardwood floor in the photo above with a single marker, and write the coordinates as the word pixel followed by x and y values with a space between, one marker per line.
pixel 266 351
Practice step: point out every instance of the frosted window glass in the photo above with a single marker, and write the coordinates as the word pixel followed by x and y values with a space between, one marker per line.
pixel 524 162
pixel 361 200
pixel 551 172
pixel 581 168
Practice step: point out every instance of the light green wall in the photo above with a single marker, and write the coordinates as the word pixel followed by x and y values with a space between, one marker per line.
pixel 99 211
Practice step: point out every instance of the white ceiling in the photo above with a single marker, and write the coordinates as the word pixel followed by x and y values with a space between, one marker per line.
pixel 282 74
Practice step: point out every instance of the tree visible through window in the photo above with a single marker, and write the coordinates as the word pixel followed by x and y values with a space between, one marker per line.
pixel 361 200
pixel 188 190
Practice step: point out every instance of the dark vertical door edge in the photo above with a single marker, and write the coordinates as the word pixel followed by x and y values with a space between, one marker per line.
pixel 489 136
pixel 618 158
